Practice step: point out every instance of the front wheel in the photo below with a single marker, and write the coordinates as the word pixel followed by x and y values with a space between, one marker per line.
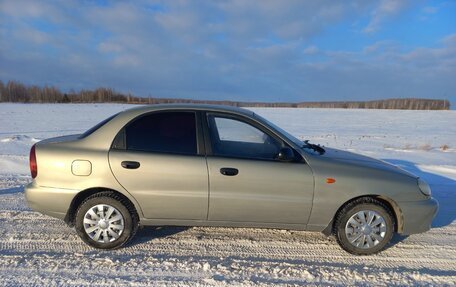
pixel 104 220
pixel 364 226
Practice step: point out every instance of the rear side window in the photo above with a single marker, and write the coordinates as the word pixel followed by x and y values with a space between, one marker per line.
pixel 167 132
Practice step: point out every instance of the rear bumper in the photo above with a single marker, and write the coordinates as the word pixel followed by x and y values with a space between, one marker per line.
pixel 51 201
pixel 418 215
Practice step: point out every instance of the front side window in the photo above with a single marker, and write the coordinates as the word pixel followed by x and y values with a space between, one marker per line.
pixel 166 132
pixel 234 138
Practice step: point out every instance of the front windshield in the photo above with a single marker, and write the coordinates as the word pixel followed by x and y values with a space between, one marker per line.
pixel 289 136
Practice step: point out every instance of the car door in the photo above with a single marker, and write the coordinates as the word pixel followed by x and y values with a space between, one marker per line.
pixel 247 182
pixel 158 159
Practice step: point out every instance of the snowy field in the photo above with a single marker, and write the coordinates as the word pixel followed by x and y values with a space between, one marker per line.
pixel 39 250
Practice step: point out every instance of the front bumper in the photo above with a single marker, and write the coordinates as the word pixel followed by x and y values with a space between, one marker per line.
pixel 51 201
pixel 418 215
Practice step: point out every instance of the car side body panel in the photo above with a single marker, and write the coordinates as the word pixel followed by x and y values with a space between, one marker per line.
pixel 166 186
pixel 263 191
pixel 49 200
pixel 355 179
pixel 53 190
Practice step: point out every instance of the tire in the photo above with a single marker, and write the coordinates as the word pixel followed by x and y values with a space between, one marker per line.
pixel 106 221
pixel 358 237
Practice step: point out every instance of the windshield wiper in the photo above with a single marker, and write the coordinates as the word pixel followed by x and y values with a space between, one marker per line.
pixel 315 147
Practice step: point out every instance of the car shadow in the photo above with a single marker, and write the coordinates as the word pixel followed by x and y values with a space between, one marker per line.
pixel 12 190
pixel 443 189
pixel 396 239
pixel 149 233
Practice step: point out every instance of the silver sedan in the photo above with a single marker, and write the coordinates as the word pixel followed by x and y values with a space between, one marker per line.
pixel 203 165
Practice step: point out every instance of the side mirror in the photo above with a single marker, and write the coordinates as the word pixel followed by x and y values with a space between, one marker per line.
pixel 286 154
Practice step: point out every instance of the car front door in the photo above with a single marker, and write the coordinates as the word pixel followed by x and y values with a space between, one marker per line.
pixel 247 181
pixel 158 159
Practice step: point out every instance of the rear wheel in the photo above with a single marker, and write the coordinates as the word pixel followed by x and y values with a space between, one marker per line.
pixel 105 220
pixel 364 226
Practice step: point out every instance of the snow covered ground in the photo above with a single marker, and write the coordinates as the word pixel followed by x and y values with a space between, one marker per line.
pixel 39 250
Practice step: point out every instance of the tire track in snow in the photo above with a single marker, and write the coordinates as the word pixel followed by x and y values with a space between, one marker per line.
pixel 32 243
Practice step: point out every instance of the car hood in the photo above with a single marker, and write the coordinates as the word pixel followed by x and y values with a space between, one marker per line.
pixel 362 160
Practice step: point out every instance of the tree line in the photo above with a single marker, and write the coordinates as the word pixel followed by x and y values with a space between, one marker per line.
pixel 16 92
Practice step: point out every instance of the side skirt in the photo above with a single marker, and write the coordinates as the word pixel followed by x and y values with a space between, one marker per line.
pixel 172 222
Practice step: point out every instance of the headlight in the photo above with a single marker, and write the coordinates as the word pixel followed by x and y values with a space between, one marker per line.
pixel 424 187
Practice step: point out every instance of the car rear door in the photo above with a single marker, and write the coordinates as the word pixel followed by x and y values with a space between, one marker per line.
pixel 247 182
pixel 159 159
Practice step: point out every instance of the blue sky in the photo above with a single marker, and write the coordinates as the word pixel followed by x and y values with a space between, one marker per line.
pixel 237 50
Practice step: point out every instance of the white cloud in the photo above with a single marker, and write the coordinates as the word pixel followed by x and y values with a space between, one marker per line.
pixel 107 47
pixel 430 10
pixel 310 50
pixel 386 9
pixel 32 36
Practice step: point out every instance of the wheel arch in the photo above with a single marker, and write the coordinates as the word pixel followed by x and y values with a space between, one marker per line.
pixel 82 195
pixel 391 204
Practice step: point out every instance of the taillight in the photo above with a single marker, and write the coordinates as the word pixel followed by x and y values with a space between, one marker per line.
pixel 33 165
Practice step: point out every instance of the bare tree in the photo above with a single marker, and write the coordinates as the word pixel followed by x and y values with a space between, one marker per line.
pixel 14 91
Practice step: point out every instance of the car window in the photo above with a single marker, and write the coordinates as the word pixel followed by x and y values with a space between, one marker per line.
pixel 168 132
pixel 232 130
pixel 235 138
pixel 289 136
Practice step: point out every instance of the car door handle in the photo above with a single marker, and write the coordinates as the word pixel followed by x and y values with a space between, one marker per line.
pixel 228 171
pixel 130 164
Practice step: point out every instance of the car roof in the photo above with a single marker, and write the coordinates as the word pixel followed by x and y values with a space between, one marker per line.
pixel 200 107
